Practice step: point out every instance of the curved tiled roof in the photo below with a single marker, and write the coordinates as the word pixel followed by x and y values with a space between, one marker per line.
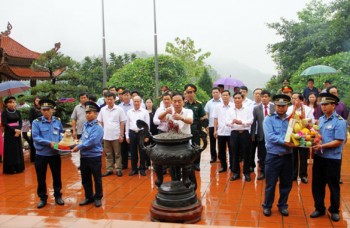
pixel 15 49
pixel 21 73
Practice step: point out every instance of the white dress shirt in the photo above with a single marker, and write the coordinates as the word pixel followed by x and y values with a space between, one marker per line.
pixel 183 127
pixel 309 114
pixel 110 119
pixel 222 114
pixel 162 124
pixel 243 114
pixel 132 116
pixel 209 108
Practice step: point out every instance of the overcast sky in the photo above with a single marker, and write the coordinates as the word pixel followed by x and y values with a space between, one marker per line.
pixel 232 30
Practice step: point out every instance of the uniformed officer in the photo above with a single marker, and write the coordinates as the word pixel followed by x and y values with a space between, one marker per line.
pixel 46 131
pixel 198 114
pixel 327 159
pixel 279 160
pixel 91 155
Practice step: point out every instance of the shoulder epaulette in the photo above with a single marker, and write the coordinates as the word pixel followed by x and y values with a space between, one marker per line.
pixel 339 117
pixel 198 102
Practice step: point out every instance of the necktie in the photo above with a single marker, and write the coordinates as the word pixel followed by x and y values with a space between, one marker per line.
pixel 266 113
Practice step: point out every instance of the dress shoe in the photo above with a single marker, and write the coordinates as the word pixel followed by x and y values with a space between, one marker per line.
pixel 119 173
pixel 196 167
pixel 212 160
pixel 143 172
pixel 335 217
pixel 108 173
pixel 340 181
pixel 235 177
pixel 222 170
pixel 247 178
pixel 261 177
pixel 284 212
pixel 304 180
pixel 41 203
pixel 267 212
pixel 59 201
pixel 98 203
pixel 133 172
pixel 317 214
pixel 86 202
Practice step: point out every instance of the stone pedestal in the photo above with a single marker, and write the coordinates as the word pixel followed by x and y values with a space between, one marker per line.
pixel 176 203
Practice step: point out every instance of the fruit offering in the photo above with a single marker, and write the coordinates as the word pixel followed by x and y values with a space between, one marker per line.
pixel 305 133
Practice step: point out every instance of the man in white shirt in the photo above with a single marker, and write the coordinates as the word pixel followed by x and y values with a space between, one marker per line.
pixel 132 136
pixel 160 117
pixel 221 131
pixel 246 101
pixel 253 132
pixel 78 116
pixel 112 118
pixel 126 105
pixel 300 155
pixel 240 123
pixel 209 109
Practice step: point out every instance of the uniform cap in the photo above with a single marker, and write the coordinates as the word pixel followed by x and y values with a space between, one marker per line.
pixel 190 87
pixel 327 98
pixel 287 89
pixel 47 103
pixel 91 106
pixel 281 99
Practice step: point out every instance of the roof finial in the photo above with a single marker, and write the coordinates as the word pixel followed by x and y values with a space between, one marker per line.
pixel 57 46
pixel 8 31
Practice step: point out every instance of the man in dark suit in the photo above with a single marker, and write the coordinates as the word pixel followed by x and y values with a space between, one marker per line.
pixel 259 113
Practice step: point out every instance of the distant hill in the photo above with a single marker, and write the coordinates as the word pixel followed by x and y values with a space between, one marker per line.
pixel 251 77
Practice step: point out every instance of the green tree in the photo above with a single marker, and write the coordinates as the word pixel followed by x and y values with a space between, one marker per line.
pixel 193 58
pixel 52 61
pixel 310 37
pixel 140 75
pixel 205 82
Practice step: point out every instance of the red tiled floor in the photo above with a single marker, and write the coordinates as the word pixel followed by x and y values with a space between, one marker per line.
pixel 127 200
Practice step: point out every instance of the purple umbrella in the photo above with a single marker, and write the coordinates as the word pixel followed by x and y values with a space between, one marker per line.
pixel 229 83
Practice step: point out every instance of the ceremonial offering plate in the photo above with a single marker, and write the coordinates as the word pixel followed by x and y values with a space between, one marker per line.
pixel 64 152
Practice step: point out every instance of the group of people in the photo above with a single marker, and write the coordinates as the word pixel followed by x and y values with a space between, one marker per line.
pixel 236 124
pixel 244 126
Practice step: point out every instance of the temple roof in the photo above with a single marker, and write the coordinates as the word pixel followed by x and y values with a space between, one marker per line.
pixel 13 48
pixel 17 69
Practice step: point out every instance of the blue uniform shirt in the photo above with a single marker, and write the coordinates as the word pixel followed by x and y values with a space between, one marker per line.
pixel 333 128
pixel 275 130
pixel 91 137
pixel 45 132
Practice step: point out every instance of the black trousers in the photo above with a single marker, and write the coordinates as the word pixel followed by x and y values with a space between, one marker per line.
pixel 31 145
pixel 212 140
pixel 91 167
pixel 326 172
pixel 253 146
pixel 135 151
pixel 278 169
pixel 54 163
pixel 124 146
pixel 223 143
pixel 196 140
pixel 262 155
pixel 300 156
pixel 240 145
